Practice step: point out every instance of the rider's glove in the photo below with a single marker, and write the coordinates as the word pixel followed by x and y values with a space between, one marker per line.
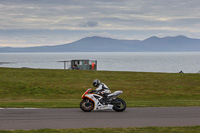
pixel 93 91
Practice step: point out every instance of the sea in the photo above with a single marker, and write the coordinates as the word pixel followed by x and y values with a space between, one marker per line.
pixel 165 62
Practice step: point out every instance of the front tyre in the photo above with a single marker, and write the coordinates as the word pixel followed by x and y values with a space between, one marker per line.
pixel 86 105
pixel 120 107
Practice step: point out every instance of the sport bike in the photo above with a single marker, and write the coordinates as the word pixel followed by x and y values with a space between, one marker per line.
pixel 92 100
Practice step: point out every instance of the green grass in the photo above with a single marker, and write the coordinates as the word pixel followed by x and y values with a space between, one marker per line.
pixel 63 88
pixel 192 129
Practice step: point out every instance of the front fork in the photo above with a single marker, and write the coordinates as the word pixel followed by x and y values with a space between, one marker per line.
pixel 87 100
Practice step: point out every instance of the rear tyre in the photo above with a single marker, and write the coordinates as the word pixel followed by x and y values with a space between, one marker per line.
pixel 120 107
pixel 86 106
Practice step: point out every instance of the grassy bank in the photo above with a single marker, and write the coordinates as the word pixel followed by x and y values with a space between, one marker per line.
pixel 63 88
pixel 192 129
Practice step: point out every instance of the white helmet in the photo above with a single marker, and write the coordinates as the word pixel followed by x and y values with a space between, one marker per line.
pixel 96 82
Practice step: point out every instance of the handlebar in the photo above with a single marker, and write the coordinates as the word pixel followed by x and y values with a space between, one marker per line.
pixel 93 91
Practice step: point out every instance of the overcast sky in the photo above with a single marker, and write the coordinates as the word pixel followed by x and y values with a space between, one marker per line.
pixel 53 22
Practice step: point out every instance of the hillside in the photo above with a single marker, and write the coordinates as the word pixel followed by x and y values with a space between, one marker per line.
pixel 102 44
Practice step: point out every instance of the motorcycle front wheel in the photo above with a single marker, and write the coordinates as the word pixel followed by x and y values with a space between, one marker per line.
pixel 120 107
pixel 87 105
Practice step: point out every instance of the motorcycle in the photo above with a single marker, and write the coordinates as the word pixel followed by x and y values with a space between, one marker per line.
pixel 92 100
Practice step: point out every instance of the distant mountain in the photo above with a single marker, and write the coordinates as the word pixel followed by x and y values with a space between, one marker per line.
pixel 103 44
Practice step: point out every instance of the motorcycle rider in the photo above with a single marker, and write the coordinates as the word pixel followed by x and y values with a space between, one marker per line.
pixel 102 89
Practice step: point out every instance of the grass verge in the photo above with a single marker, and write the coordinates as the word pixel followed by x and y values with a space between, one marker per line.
pixel 192 129
pixel 45 88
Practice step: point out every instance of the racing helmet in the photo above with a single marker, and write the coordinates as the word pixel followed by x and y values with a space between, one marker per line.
pixel 96 82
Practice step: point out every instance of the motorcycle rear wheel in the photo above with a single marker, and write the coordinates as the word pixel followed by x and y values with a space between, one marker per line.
pixel 86 107
pixel 121 107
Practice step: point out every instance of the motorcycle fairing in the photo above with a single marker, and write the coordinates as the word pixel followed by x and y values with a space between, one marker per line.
pixel 115 94
pixel 97 105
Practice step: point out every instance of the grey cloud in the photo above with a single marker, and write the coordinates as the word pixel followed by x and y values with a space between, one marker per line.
pixel 89 24
pixel 100 15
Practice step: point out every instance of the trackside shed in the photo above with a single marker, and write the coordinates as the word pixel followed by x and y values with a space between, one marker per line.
pixel 84 64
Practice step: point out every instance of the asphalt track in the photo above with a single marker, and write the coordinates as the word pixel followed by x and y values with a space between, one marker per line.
pixel 11 119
